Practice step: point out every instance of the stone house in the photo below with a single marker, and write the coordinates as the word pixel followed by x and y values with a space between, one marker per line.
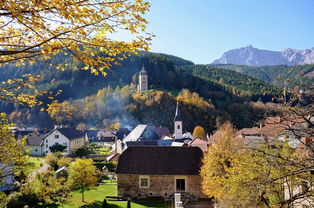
pixel 159 171
pixel 69 137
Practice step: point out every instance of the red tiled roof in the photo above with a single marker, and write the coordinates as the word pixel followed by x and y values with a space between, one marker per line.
pixel 250 131
pixel 203 145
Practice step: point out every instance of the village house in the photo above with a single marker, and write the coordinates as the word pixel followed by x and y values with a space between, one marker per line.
pixel 156 171
pixel 104 138
pixel 269 131
pixel 202 144
pixel 68 137
pixel 146 135
pixel 34 142
pixel 273 129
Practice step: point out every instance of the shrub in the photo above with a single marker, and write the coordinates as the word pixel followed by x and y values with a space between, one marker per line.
pixel 20 199
pixel 3 197
pixel 52 160
pixel 82 152
pixel 64 161
pixel 105 204
pixel 111 166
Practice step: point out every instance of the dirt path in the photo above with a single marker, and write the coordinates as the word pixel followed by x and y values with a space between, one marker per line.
pixel 40 170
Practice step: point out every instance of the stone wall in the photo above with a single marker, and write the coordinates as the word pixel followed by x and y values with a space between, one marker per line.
pixel 159 185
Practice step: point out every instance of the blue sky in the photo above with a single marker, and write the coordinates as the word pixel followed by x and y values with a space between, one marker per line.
pixel 201 30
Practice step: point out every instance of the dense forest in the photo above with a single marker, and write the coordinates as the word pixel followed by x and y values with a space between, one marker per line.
pixel 276 75
pixel 97 101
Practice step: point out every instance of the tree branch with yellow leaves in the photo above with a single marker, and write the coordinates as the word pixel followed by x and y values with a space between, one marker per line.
pixel 83 29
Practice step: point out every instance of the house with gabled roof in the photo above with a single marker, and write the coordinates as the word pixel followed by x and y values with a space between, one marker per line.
pixel 271 129
pixel 159 171
pixel 68 137
pixel 34 141
pixel 104 138
pixel 202 144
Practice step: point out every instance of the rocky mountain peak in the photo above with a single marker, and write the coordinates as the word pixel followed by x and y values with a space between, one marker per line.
pixel 249 55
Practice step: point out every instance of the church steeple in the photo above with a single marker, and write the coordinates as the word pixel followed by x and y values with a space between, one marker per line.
pixel 177 116
pixel 143 80
pixel 178 131
pixel 143 71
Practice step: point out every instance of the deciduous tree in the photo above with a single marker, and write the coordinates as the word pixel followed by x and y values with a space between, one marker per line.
pixel 268 175
pixel 57 148
pixel 199 132
pixel 11 150
pixel 36 30
pixel 82 175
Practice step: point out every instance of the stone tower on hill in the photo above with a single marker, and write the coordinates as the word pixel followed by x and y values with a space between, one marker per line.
pixel 143 80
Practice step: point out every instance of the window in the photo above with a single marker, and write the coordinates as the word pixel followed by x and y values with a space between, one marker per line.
pixel 65 144
pixel 144 181
pixel 178 126
pixel 180 184
pixel 47 141
pixel 56 143
pixel 56 136
pixel 46 145
pixel 35 150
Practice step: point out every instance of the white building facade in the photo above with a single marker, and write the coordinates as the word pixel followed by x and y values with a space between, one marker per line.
pixel 68 137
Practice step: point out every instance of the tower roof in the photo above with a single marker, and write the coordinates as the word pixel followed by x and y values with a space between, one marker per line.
pixel 143 71
pixel 177 116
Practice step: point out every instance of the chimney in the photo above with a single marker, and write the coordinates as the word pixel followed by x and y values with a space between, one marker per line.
pixel 45 130
pixel 278 119
pixel 36 132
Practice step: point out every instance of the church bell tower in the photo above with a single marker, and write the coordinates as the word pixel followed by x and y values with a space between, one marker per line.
pixel 178 124
pixel 143 80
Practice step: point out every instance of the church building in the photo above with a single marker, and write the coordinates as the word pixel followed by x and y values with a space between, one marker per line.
pixel 178 131
pixel 143 80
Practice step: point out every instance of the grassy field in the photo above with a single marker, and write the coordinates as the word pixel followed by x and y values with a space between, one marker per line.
pixel 33 163
pixel 103 150
pixel 94 199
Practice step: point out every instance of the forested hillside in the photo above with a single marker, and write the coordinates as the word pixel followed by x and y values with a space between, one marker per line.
pixel 225 93
pixel 234 82
pixel 276 75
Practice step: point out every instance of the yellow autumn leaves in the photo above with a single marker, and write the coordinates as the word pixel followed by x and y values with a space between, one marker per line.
pixel 35 30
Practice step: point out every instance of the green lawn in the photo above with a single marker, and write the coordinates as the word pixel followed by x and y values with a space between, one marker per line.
pixel 94 199
pixel 108 181
pixel 35 163
pixel 103 150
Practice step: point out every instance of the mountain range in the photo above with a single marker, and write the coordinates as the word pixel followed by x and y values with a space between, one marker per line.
pixel 257 57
